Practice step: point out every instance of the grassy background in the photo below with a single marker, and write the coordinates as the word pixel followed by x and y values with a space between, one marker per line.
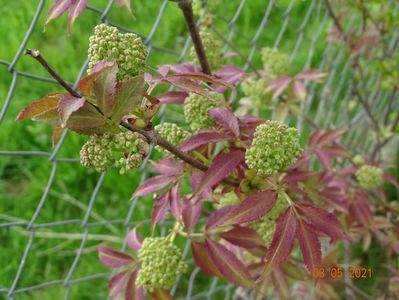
pixel 23 178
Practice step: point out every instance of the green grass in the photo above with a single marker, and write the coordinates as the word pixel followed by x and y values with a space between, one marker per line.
pixel 23 178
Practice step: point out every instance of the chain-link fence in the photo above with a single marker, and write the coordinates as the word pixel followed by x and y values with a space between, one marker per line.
pixel 299 28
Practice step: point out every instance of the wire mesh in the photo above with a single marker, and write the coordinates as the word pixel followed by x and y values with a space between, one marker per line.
pixel 310 42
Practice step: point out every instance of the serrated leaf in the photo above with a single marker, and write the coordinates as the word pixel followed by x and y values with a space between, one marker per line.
pixel 220 168
pixel 278 85
pixel 132 291
pixel 310 75
pixel 191 213
pixel 134 239
pixel 167 166
pixel 112 258
pixel 282 242
pixel 322 220
pixel 56 135
pixel 229 265
pixel 74 11
pixel 173 97
pixel 117 283
pixel 41 106
pixel 202 77
pixel 57 9
pixel 104 87
pixel 203 260
pixel 185 84
pixel 252 208
pixel 159 209
pixel 329 136
pixel 310 245
pixel 243 237
pixel 153 184
pixel 226 119
pixel 67 105
pixel 86 116
pixel 127 97
pixel 175 201
pixel 202 138
pixel 85 85
pixel 217 217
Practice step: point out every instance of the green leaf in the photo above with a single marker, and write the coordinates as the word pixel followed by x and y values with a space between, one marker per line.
pixel 67 105
pixel 42 106
pixel 127 97
pixel 104 89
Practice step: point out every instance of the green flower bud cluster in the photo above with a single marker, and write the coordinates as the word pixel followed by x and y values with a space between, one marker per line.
pixel 128 50
pixel 161 261
pixel 197 107
pixel 275 62
pixel 358 160
pixel 124 150
pixel 172 133
pixel 213 51
pixel 274 147
pixel 228 199
pixel 255 88
pixel 369 177
pixel 267 225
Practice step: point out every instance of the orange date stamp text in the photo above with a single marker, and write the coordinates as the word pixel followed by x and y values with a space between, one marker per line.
pixel 337 273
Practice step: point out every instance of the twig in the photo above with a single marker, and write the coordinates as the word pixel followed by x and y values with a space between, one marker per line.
pixel 337 23
pixel 151 135
pixel 187 9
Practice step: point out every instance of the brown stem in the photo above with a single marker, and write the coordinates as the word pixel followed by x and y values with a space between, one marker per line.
pixel 337 23
pixel 187 9
pixel 151 135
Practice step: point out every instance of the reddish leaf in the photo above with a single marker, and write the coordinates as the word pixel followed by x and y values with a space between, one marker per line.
pixel 57 9
pixel 322 220
pixel 299 90
pixel 104 86
pixel 203 260
pixel 226 119
pixel 45 104
pixel 127 97
pixel 56 135
pixel 391 180
pixel 125 4
pixel 220 168
pixel 324 158
pixel 252 208
pixel 202 138
pixel 175 201
pixel 173 97
pixel 85 85
pixel 84 118
pixel 201 76
pixel 282 242
pixel 167 166
pixel 153 184
pixel 112 258
pixel 134 239
pixel 229 265
pixel 244 237
pixel 132 292
pixel 159 209
pixel 329 136
pixel 161 294
pixel 117 283
pixel 191 213
pixel 185 84
pixel 278 85
pixel 361 209
pixel 231 74
pixel 310 246
pixel 218 217
pixel 75 10
pixel 67 106
pixel 310 75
